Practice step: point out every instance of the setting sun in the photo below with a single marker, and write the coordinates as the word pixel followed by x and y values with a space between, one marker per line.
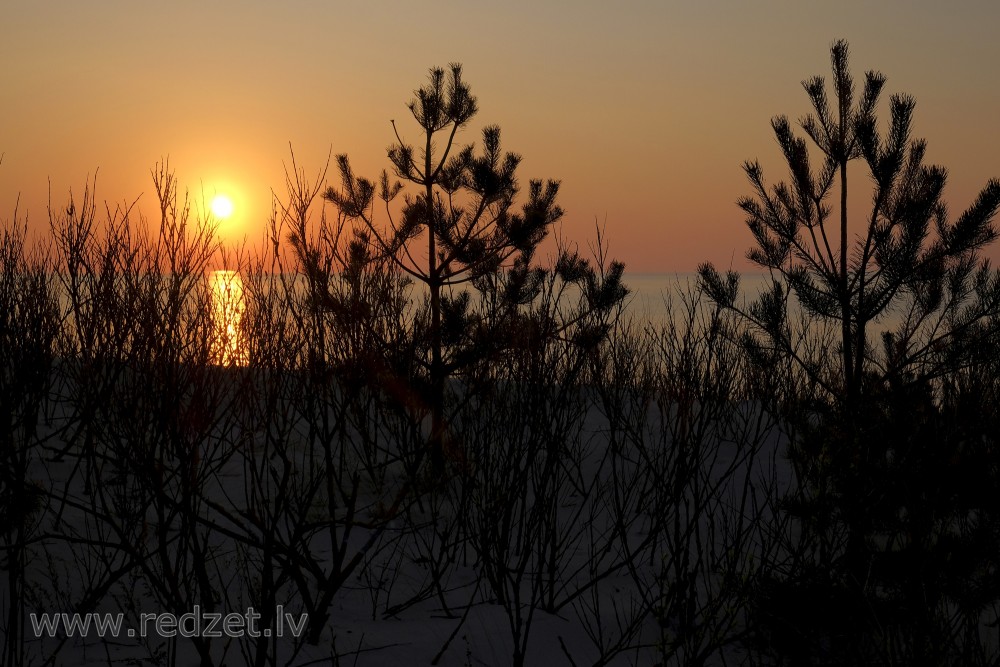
pixel 222 206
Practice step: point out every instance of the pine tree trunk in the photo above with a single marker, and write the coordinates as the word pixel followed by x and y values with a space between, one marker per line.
pixel 435 443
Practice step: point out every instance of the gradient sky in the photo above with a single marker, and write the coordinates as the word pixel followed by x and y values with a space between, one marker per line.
pixel 644 110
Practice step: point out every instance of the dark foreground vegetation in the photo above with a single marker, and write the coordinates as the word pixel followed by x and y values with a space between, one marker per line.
pixel 411 421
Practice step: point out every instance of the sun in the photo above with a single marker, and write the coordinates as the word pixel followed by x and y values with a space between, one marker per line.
pixel 222 206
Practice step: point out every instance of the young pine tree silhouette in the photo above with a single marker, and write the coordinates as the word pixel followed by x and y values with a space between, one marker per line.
pixel 875 439
pixel 460 227
pixel 905 252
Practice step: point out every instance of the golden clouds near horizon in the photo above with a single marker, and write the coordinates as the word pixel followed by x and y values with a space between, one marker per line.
pixel 228 304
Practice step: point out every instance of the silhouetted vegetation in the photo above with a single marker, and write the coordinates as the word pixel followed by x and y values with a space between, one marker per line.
pixel 893 560
pixel 409 417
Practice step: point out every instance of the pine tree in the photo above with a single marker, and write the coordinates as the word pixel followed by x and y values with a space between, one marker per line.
pixel 873 447
pixel 460 228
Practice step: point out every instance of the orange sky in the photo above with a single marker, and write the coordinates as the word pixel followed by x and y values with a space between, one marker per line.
pixel 645 111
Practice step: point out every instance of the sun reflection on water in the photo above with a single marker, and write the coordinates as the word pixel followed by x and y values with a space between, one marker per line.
pixel 228 304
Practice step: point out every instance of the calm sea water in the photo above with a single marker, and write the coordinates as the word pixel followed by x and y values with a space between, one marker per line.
pixel 651 300
pixel 651 294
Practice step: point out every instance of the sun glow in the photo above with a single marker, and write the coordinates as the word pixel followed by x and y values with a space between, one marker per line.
pixel 222 206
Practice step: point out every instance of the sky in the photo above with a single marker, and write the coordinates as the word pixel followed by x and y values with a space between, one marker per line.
pixel 645 111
